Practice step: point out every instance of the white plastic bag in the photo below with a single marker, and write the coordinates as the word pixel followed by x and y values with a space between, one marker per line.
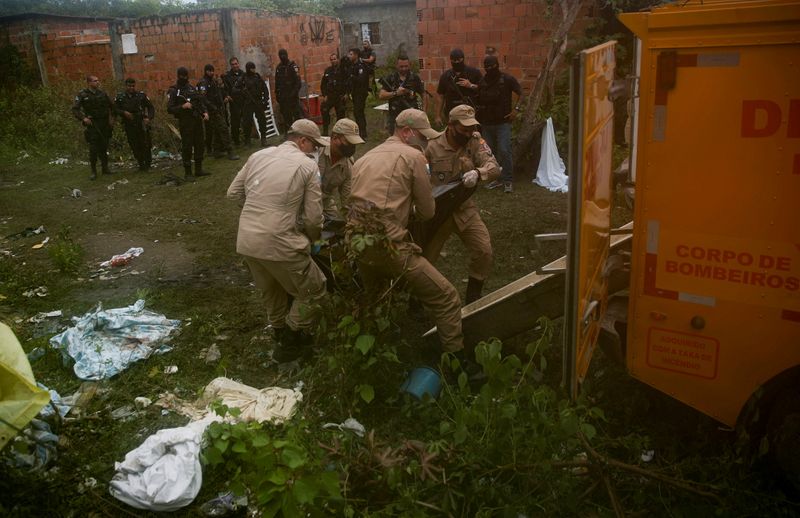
pixel 550 174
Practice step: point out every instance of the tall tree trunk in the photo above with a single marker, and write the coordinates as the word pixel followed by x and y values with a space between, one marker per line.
pixel 530 125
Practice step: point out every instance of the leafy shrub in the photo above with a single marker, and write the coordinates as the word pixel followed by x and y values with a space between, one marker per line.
pixel 66 254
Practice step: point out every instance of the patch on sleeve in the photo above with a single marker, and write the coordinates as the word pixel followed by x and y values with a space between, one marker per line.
pixel 485 147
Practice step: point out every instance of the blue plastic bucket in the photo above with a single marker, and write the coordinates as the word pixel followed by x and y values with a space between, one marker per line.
pixel 421 381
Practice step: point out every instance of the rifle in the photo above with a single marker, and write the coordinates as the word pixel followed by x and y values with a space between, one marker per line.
pixel 196 98
pixel 464 100
pixel 404 102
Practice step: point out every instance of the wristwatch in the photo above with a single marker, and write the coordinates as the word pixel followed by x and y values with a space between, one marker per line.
pixel 517 108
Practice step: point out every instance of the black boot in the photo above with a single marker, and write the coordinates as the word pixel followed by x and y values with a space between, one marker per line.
pixel 292 344
pixel 187 172
pixel 474 289
pixel 104 165
pixel 93 176
pixel 198 169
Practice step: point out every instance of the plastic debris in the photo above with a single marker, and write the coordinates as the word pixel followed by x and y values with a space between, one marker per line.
pixel 142 402
pixel 59 161
pixel 123 259
pixel 57 404
pixel 22 156
pixel 648 455
pixel 76 193
pixel 105 342
pixel 41 291
pixel 164 472
pixel 349 425
pixel 40 444
pixel 41 317
pixel 212 355
pixel 171 369
pixel 164 154
pixel 113 185
pixel 40 245
pixel 86 485
pixel 123 412
pixel 28 232
pixel 35 354
pixel 223 504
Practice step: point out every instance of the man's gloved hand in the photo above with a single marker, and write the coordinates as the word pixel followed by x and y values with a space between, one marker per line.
pixel 470 179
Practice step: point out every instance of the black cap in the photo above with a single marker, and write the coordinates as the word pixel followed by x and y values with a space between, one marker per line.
pixel 208 67
pixel 183 71
pixel 250 65
pixel 130 81
pixel 283 52
pixel 490 61
pixel 456 54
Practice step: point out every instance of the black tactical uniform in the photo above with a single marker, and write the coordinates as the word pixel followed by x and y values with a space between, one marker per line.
pixel 190 122
pixel 137 128
pixel 359 90
pixel 255 96
pixel 455 95
pixel 399 103
pixel 95 105
pixel 217 126
pixel 334 87
pixel 235 105
pixel 287 90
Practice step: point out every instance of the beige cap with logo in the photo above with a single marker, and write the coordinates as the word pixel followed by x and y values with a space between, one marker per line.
pixel 465 114
pixel 349 130
pixel 307 128
pixel 418 120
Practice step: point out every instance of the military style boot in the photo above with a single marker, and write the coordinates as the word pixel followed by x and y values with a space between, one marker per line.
pixel 198 169
pixel 187 172
pixel 292 345
pixel 104 165
pixel 93 176
pixel 474 289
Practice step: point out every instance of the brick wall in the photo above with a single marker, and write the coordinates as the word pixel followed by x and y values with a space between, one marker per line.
pixel 519 30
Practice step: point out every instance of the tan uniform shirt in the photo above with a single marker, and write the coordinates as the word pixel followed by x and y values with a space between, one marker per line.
pixel 335 177
pixel 448 164
pixel 282 210
pixel 393 176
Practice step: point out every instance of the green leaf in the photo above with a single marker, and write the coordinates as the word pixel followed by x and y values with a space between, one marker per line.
pixel 328 482
pixel 367 392
pixel 239 447
pixel 508 411
pixel 588 430
pixel 277 477
pixel 293 457
pixel 461 434
pixel 364 343
pixel 304 492
pixel 260 440
pixel 354 330
pixel 221 445
pixel 212 456
pixel 382 323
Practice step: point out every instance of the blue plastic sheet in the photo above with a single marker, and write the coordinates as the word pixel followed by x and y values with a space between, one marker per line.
pixel 103 343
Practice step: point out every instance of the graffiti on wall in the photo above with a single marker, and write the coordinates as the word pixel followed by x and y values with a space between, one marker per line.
pixel 316 33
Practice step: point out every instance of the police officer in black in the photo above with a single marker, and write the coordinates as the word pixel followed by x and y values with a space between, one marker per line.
pixel 403 89
pixel 459 85
pixel 136 112
pixel 94 109
pixel 359 88
pixel 334 87
pixel 254 94
pixel 369 58
pixel 287 89
pixel 217 127
pixel 234 102
pixel 188 105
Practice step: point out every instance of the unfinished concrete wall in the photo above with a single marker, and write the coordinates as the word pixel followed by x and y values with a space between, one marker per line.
pixel 397 20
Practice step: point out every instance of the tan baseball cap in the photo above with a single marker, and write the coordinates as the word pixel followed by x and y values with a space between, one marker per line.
pixel 465 114
pixel 349 130
pixel 307 128
pixel 418 120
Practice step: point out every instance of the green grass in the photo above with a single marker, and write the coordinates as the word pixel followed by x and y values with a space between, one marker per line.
pixel 190 271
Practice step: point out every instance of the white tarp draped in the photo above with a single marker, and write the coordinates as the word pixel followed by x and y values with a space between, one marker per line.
pixel 550 174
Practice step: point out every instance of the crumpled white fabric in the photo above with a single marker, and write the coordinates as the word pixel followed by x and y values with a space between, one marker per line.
pixel 103 343
pixel 164 473
pixel 550 173
pixel 348 425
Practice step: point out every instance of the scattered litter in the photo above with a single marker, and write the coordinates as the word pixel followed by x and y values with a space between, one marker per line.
pixel 164 472
pixel 164 412
pixel 172 369
pixel 40 245
pixel 28 232
pixel 349 425
pixel 81 398
pixel 35 354
pixel 223 504
pixel 123 259
pixel 123 412
pixel 648 455
pixel 57 404
pixel 86 485
pixel 85 210
pixel 40 317
pixel 164 154
pixel 213 355
pixel 112 185
pixel 59 161
pixel 76 193
pixel 142 402
pixel 40 444
pixel 41 291
pixel 105 342
pixel 22 156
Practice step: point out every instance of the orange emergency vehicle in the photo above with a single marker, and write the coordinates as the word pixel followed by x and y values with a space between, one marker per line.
pixel 713 306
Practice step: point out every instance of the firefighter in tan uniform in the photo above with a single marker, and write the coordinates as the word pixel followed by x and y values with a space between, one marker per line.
pixel 459 154
pixel 335 166
pixel 281 216
pixel 389 182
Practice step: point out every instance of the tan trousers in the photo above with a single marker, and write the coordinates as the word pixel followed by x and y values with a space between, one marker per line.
pixel 301 279
pixel 438 297
pixel 475 236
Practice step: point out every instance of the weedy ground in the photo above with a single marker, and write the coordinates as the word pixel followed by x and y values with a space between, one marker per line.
pixel 190 271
